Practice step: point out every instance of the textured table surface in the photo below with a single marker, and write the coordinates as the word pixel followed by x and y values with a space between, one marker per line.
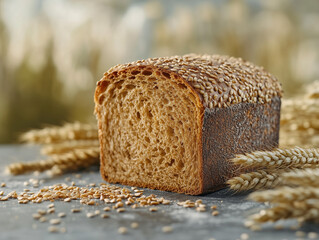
pixel 16 220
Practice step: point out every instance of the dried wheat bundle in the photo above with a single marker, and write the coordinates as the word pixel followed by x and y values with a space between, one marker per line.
pixel 67 146
pixel 279 159
pixel 74 160
pixel 254 180
pixel 69 131
pixel 306 177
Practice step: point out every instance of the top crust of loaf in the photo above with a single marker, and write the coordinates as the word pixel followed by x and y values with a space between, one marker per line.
pixel 220 81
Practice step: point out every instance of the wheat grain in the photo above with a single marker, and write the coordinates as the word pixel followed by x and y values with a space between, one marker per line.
pixel 306 177
pixel 285 194
pixel 71 161
pixel 69 131
pixel 254 180
pixel 280 158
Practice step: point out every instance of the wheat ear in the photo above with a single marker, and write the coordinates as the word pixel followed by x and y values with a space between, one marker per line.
pixel 280 158
pixel 69 131
pixel 74 160
pixel 307 177
pixel 285 194
pixel 285 211
pixel 254 180
pixel 67 146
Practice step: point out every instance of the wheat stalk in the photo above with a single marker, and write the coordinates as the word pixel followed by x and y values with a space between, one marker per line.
pixel 306 177
pixel 254 180
pixel 69 131
pixel 279 159
pixel 285 194
pixel 67 146
pixel 74 160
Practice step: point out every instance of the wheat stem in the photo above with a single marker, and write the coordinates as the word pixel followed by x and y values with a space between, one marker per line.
pixel 69 131
pixel 254 180
pixel 73 160
pixel 280 158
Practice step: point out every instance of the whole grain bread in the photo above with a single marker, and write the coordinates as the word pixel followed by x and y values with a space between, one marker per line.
pixel 173 123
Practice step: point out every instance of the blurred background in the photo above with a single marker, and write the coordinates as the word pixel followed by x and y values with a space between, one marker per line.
pixel 53 52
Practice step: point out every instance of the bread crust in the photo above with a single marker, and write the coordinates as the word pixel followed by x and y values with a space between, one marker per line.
pixel 258 96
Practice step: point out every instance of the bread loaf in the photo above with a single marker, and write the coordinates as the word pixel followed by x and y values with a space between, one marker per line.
pixel 173 123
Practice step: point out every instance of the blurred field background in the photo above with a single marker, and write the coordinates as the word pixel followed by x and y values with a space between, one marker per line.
pixel 53 52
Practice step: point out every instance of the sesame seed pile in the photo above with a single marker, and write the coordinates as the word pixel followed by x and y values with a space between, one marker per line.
pixel 221 81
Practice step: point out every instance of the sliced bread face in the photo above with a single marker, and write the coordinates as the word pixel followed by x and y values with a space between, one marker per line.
pixel 173 123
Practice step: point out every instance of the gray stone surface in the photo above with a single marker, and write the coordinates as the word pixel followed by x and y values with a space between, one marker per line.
pixel 16 220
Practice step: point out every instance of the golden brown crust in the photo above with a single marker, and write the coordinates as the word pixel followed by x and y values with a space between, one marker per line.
pixel 221 81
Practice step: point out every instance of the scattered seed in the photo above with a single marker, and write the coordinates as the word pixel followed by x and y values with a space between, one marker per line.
pixel 67 200
pixel 201 209
pixel 55 221
pixel 42 212
pixel 36 216
pixel 51 210
pixel 106 209
pixel 134 225
pixel 63 230
pixel 312 235
pixel 3 184
pixel 75 210
pixel 167 229
pixel 104 215
pixel 90 215
pixel 119 210
pixel 278 226
pixel 61 215
pixel 244 236
pixel 1 193
pixel 51 205
pixel 122 230
pixel 213 207
pixel 53 229
pixel 153 209
pixel 215 213
pixel 26 183
pixel 42 219
pixel 300 234
pixel 91 202
pixel 255 227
